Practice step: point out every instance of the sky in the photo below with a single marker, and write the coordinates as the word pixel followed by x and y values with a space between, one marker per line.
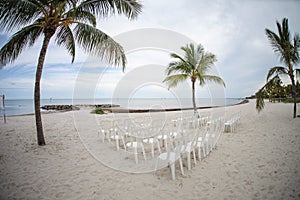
pixel 233 30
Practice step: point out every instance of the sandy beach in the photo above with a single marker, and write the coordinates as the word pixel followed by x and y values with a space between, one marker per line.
pixel 260 160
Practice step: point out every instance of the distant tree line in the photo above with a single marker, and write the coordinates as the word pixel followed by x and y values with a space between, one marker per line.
pixel 278 92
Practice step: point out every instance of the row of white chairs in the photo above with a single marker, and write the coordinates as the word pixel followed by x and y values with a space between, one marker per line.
pixel 172 140
pixel 190 139
pixel 231 124
pixel 133 137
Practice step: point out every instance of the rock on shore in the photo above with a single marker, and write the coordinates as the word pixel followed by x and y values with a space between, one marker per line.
pixel 76 107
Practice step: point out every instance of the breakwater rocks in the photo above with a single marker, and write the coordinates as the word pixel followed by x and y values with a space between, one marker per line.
pixel 76 107
pixel 60 107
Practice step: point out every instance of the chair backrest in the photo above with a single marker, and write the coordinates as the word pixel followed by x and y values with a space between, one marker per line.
pixel 174 146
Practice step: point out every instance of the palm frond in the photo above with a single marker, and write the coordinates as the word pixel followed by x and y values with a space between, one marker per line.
pixel 260 103
pixel 178 67
pixel 130 8
pixel 191 55
pixel 65 37
pixel 296 48
pixel 276 43
pixel 261 94
pixel 18 42
pixel 176 56
pixel 206 62
pixel 285 34
pixel 80 15
pixel 104 8
pixel 94 41
pixel 276 70
pixel 173 80
pixel 16 14
pixel 215 79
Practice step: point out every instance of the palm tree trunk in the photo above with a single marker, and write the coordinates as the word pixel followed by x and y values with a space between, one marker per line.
pixel 194 101
pixel 294 96
pixel 37 103
pixel 295 99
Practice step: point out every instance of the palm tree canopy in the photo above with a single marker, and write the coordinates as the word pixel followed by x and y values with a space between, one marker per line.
pixel 286 48
pixel 71 20
pixel 288 52
pixel 276 70
pixel 195 65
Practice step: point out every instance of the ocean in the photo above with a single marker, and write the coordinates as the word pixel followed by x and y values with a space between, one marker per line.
pixel 26 106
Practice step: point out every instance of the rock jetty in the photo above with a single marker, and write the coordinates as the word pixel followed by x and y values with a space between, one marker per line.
pixel 60 107
pixel 77 107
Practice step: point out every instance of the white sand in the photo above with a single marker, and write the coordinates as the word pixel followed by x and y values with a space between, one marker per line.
pixel 261 160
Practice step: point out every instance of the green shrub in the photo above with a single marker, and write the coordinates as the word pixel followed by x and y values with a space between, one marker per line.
pixel 291 100
pixel 98 111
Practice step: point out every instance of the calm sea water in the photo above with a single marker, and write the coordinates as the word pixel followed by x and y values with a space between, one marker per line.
pixel 26 106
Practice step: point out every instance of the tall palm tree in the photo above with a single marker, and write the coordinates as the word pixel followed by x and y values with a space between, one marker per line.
pixel 288 52
pixel 194 66
pixel 69 21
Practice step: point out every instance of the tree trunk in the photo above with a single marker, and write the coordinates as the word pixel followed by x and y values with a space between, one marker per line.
pixel 194 101
pixel 294 95
pixel 295 99
pixel 37 104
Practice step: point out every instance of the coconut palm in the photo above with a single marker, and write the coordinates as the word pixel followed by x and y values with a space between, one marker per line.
pixel 195 65
pixel 288 52
pixel 68 21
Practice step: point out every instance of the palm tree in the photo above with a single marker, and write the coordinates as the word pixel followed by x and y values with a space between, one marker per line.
pixel 69 21
pixel 288 52
pixel 194 66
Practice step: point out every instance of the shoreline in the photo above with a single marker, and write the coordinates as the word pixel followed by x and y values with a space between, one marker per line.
pixel 116 108
pixel 121 110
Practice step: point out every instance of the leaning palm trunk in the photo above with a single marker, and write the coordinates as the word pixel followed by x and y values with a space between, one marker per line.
pixel 37 101
pixel 70 21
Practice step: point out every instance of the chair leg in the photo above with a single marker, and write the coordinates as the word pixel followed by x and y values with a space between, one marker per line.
pixel 189 160
pixel 194 154
pixel 181 166
pixel 172 167
pixel 152 150
pixel 135 155
pixel 123 141
pixel 117 144
pixel 158 146
pixel 156 163
pixel 143 149
pixel 199 153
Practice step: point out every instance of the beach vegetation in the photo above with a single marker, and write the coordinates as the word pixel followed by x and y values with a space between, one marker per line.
pixel 291 100
pixel 69 22
pixel 98 111
pixel 193 65
pixel 287 49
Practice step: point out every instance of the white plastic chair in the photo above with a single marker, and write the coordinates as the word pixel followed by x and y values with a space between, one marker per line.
pixel 230 125
pixel 189 138
pixel 116 135
pixel 152 140
pixel 200 144
pixel 172 154
pixel 135 143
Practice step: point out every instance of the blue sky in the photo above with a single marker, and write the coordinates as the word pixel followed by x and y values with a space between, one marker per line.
pixel 233 30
